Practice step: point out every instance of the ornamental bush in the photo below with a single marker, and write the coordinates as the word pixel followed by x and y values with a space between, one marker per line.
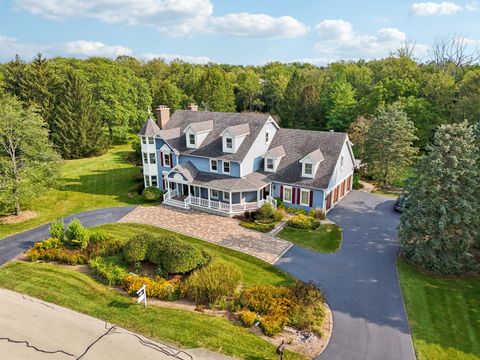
pixel 77 235
pixel 247 317
pixel 59 254
pixel 267 214
pixel 152 193
pixel 304 222
pixel 137 247
pixel 110 268
pixel 213 282
pixel 273 324
pixel 57 229
pixel 156 288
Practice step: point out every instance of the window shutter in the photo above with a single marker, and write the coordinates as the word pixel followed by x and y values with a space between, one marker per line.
pixel 294 192
pixel 281 192
pixel 163 184
pixel 171 160
pixel 161 158
pixel 311 198
pixel 298 196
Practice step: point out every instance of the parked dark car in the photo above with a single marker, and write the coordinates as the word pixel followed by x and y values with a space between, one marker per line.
pixel 400 203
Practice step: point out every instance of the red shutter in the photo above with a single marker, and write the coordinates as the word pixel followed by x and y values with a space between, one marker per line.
pixel 311 198
pixel 163 184
pixel 161 158
pixel 294 192
pixel 171 160
pixel 281 192
pixel 298 196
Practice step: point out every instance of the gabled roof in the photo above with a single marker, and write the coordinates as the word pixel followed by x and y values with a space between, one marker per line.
pixel 186 169
pixel 212 145
pixel 150 128
pixel 201 126
pixel 277 152
pixel 316 156
pixel 298 143
pixel 237 130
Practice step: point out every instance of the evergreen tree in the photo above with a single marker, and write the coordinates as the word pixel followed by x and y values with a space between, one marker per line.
pixel 28 163
pixel 340 105
pixel 15 72
pixel 440 220
pixel 389 149
pixel 77 129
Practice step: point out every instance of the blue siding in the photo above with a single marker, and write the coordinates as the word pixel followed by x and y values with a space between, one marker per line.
pixel 249 196
pixel 317 197
pixel 158 144
pixel 203 164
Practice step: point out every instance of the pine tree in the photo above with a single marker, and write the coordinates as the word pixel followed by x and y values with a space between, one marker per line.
pixel 389 149
pixel 440 221
pixel 77 130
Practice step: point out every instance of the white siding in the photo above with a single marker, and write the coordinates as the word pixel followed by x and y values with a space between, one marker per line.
pixel 341 173
pixel 253 159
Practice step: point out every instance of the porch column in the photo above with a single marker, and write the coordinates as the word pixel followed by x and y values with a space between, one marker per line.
pixel 230 201
pixel 208 192
pixel 258 197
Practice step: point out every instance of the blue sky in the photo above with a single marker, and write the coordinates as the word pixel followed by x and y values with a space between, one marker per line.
pixel 231 31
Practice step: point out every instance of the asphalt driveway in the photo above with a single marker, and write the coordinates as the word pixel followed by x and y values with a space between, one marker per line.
pixel 360 282
pixel 14 245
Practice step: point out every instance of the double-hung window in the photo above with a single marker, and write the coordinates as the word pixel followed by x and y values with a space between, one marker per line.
pixel 229 143
pixel 152 158
pixel 154 181
pixel 226 167
pixel 145 158
pixel 287 194
pixel 151 140
pixel 308 169
pixel 144 140
pixel 214 194
pixel 267 137
pixel 191 139
pixel 213 165
pixel 305 197
pixel 166 159
pixel 226 196
pixel 269 164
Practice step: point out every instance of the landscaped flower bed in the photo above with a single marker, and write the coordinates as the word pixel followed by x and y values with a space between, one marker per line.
pixel 174 269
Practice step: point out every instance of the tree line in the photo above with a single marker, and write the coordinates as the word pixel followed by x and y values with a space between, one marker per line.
pixel 91 103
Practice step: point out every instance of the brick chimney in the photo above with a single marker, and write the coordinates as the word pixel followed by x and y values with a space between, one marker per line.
pixel 163 115
pixel 192 107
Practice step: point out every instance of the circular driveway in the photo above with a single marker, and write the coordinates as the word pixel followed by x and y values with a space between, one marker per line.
pixel 360 282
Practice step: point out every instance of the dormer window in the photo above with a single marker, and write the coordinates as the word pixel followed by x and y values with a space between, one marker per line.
pixel 269 165
pixel 308 169
pixel 273 158
pixel 191 139
pixel 229 143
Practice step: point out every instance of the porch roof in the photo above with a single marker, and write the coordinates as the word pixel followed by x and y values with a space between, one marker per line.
pixel 253 181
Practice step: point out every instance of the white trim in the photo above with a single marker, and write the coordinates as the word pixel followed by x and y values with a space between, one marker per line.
pixel 304 167
pixel 154 158
pixel 216 164
pixel 164 163
pixel 223 167
pixel 308 200
pixel 189 143
pixel 214 197
pixel 291 194
pixel 223 196
pixel 266 164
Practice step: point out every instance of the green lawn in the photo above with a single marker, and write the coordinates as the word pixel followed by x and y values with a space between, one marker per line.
pixel 444 314
pixel 255 271
pixel 327 238
pixel 384 192
pixel 91 183
pixel 79 292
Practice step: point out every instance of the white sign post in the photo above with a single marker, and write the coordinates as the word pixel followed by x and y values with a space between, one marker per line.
pixel 142 295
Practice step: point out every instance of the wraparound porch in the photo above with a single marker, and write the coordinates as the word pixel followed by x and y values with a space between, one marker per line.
pixel 184 195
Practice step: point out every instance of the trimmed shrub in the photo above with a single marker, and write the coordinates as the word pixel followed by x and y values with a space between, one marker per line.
pixel 213 282
pixel 175 255
pixel 111 268
pixel 265 212
pixel 50 243
pixel 311 213
pixel 303 222
pixel 273 324
pixel 57 229
pixel 152 193
pixel 137 247
pixel 76 234
pixel 98 236
pixel 247 317
pixel 156 288
pixel 258 226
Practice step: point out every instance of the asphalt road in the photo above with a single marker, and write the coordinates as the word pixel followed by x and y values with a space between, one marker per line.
pixel 14 245
pixel 360 282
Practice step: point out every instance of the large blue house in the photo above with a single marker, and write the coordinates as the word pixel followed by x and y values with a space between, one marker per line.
pixel 230 163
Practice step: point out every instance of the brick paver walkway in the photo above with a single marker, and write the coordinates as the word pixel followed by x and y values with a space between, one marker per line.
pixel 216 229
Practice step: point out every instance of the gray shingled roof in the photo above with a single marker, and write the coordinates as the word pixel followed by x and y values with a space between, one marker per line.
pixel 202 126
pixel 212 145
pixel 150 128
pixel 238 130
pixel 277 151
pixel 188 170
pixel 316 156
pixel 298 143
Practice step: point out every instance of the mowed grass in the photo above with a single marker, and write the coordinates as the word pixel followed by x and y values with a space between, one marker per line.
pixel 79 292
pixel 327 238
pixel 90 183
pixel 444 314
pixel 254 271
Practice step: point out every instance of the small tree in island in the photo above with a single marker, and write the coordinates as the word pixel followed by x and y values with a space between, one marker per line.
pixel 441 222
pixel 389 148
pixel 28 163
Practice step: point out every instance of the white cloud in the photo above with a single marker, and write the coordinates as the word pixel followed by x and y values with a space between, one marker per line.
pixel 9 47
pixel 338 40
pixel 472 7
pixel 435 9
pixel 173 17
pixel 258 25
